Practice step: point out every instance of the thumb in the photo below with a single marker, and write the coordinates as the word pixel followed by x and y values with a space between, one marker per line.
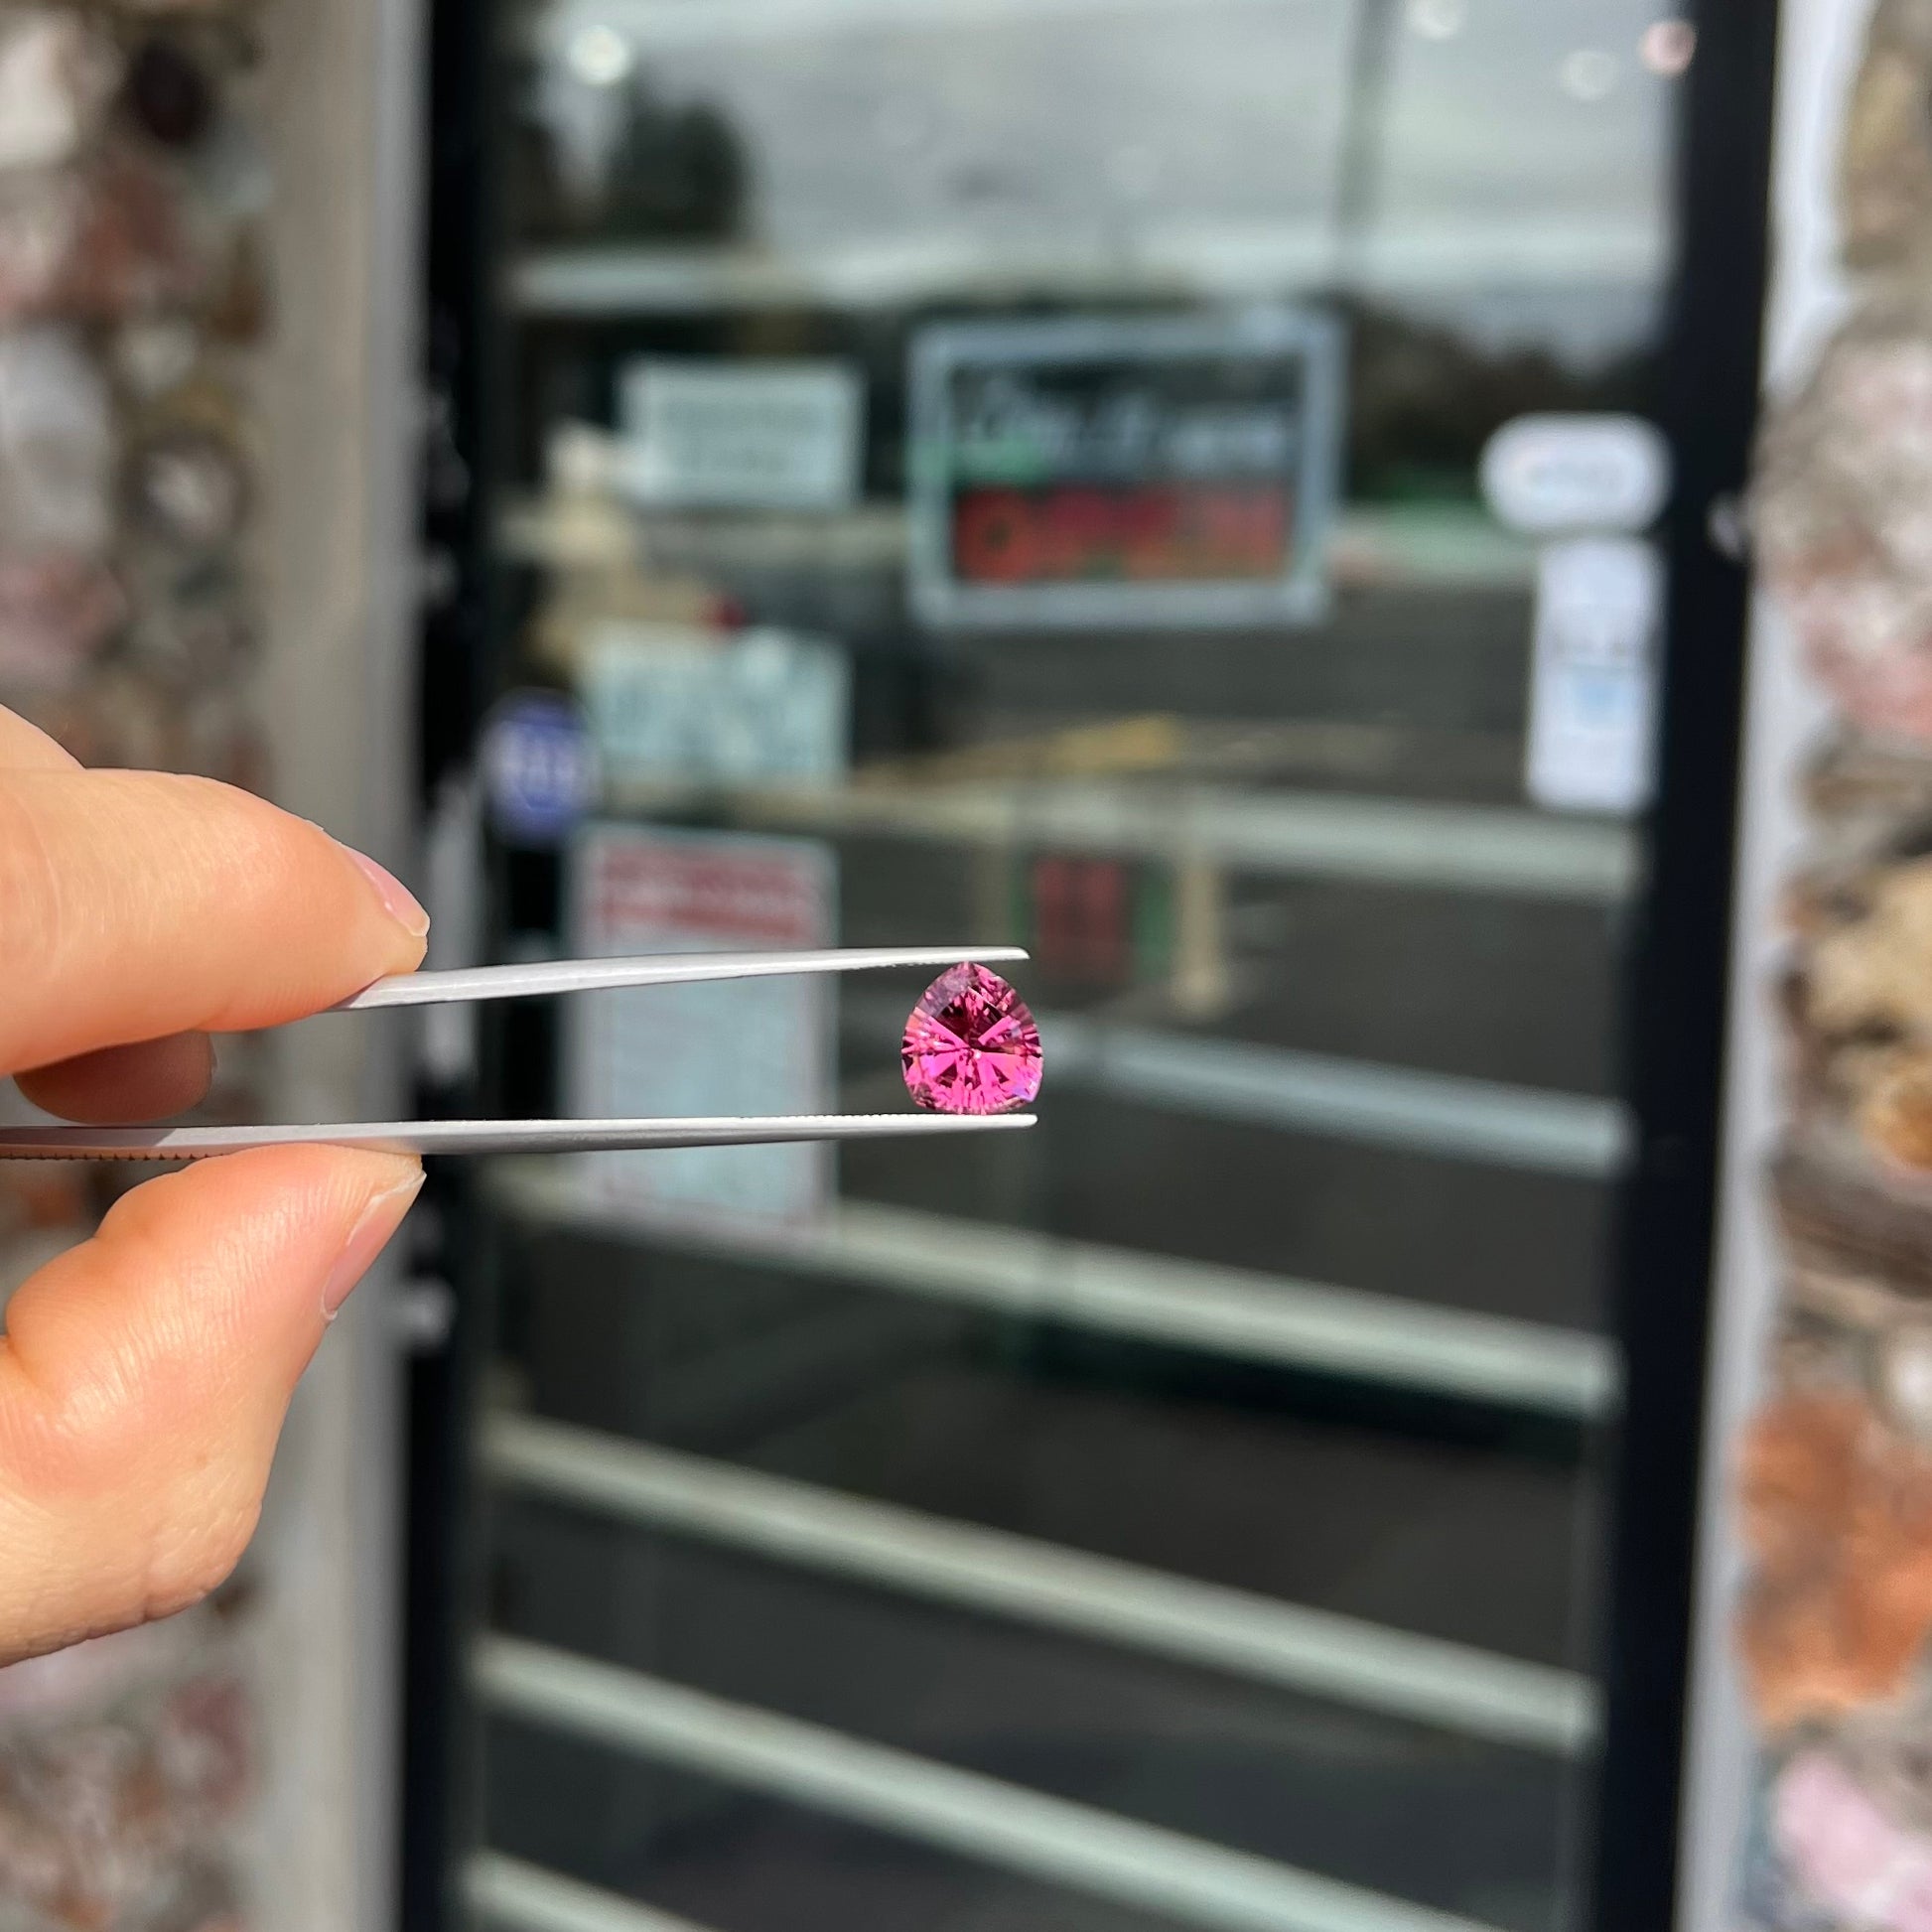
pixel 145 1375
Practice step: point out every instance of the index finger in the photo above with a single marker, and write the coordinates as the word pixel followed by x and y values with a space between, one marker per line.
pixel 135 905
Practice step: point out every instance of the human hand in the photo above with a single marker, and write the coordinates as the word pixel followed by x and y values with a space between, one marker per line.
pixel 144 1376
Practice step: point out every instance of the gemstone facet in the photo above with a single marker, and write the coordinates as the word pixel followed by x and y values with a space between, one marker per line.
pixel 971 1046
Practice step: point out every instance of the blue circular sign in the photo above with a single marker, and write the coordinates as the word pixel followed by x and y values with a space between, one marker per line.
pixel 540 766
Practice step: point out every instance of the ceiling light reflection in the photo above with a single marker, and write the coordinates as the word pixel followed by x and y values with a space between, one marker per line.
pixel 600 56
pixel 1588 74
pixel 1667 47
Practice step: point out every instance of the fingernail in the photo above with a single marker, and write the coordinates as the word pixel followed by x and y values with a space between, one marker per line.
pixel 370 1236
pixel 398 900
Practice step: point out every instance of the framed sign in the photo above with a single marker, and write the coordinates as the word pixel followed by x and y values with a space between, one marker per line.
pixel 1131 469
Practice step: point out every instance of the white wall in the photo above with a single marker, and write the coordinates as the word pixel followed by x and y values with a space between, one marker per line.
pixel 343 117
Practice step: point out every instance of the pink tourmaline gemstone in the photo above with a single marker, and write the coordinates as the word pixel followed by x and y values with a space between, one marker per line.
pixel 971 1046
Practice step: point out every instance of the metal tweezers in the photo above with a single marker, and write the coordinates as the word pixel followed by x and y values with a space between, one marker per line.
pixel 546 1136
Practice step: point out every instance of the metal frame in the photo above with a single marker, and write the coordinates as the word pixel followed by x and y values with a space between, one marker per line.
pixel 1277 1322
pixel 1679 986
pixel 462 353
pixel 1493 849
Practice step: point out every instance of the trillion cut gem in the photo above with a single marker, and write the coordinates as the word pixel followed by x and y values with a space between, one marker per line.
pixel 971 1046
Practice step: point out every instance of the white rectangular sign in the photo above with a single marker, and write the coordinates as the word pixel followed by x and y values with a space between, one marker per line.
pixel 737 1047
pixel 741 435
pixel 1593 675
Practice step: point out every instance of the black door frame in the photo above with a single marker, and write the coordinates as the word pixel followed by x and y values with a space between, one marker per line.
pixel 1680 987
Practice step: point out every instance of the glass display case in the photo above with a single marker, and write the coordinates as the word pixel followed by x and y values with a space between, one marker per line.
pixel 1178 485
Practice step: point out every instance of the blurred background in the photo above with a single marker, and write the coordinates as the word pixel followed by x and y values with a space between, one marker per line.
pixel 1247 499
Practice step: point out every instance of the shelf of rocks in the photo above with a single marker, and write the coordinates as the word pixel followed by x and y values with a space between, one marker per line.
pixel 1866 797
pixel 1855 998
pixel 131 284
pixel 1837 1195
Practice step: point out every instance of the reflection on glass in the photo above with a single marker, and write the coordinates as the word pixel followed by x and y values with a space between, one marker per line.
pixel 1008 470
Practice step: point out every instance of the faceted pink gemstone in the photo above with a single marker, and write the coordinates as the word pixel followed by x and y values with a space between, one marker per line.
pixel 971 1046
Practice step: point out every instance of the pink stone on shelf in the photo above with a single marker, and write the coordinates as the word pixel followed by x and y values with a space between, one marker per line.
pixel 971 1046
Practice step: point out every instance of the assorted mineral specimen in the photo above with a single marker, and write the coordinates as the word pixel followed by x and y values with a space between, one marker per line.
pixel 1842 515
pixel 1836 1511
pixel 57 73
pixel 1846 1849
pixel 58 447
pixel 131 200
pixel 1884 171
